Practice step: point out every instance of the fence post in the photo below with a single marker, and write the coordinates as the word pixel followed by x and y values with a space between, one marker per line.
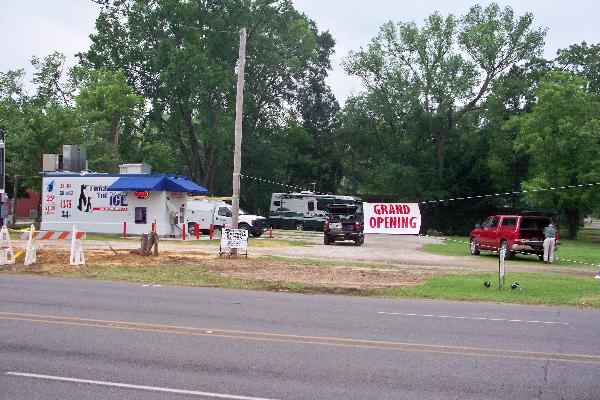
pixel 197 231
pixel 124 229
pixel 183 232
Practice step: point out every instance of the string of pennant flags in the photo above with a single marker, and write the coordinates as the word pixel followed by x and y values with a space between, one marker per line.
pixel 511 193
pixel 271 182
pixel 481 196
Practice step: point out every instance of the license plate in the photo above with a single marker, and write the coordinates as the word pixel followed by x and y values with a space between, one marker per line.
pixel 336 225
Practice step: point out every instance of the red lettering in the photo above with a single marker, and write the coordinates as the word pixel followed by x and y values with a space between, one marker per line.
pixel 376 209
pixel 404 222
pixel 379 221
pixel 372 222
pixel 384 209
pixel 399 209
pixel 413 222
pixel 406 209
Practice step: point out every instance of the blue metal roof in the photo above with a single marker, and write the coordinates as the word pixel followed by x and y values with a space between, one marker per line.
pixel 152 183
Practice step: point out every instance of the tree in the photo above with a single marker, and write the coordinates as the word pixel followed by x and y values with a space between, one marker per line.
pixel 443 70
pixel 181 57
pixel 109 107
pixel 561 137
pixel 584 60
pixel 36 123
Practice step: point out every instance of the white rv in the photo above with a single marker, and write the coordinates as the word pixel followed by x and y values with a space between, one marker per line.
pixel 304 210
pixel 214 211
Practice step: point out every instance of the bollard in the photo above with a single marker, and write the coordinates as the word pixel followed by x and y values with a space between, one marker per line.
pixel 197 231
pixel 153 227
pixel 210 232
pixel 124 229
pixel 271 233
pixel 183 232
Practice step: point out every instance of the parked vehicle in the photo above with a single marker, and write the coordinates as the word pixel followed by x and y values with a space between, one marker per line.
pixel 516 233
pixel 305 210
pixel 344 223
pixel 216 212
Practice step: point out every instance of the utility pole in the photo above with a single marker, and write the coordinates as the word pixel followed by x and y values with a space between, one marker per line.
pixel 237 155
pixel 14 201
pixel 3 211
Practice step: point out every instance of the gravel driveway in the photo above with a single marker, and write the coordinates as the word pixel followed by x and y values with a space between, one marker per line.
pixel 378 249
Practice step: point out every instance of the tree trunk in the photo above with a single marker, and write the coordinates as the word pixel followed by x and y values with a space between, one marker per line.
pixel 440 146
pixel 573 221
pixel 116 136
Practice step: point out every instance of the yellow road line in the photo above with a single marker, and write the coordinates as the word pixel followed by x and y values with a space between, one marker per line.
pixel 298 339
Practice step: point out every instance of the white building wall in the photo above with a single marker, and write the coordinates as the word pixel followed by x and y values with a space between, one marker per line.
pixel 84 201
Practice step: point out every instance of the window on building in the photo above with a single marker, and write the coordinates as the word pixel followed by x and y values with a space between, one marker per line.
pixel 277 203
pixel 311 206
pixel 140 215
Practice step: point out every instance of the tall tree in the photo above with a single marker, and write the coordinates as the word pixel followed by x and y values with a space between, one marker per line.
pixel 109 107
pixel 561 137
pixel 445 69
pixel 181 57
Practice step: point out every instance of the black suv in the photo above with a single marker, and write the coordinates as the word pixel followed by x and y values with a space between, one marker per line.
pixel 343 223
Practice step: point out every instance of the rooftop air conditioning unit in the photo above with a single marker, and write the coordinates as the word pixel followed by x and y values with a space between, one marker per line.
pixel 135 169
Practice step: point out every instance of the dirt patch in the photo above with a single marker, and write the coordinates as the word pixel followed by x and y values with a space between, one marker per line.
pixel 252 268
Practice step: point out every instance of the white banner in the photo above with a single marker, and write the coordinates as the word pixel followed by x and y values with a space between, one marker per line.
pixel 234 239
pixel 392 218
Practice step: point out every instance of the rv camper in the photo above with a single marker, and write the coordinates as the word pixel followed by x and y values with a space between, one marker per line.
pixel 207 211
pixel 305 210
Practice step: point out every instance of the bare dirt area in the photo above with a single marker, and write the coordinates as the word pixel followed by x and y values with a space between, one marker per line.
pixel 298 257
pixel 54 260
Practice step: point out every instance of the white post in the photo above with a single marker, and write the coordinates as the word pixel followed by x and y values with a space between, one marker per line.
pixel 30 253
pixel 7 255
pixel 77 257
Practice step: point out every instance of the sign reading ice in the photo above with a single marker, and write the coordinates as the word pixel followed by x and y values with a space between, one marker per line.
pixel 392 218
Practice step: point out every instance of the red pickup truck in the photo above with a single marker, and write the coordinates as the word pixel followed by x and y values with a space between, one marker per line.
pixel 517 233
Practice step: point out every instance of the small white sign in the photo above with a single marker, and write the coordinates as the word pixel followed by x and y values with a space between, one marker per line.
pixel 392 218
pixel 501 262
pixel 234 239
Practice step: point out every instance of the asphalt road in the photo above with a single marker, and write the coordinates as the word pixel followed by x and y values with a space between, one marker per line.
pixel 73 339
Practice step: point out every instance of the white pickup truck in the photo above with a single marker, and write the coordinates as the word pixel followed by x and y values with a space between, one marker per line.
pixel 216 212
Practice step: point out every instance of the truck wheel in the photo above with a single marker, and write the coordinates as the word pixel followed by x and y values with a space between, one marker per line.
pixel 257 234
pixel 509 254
pixel 473 247
pixel 299 226
pixel 358 242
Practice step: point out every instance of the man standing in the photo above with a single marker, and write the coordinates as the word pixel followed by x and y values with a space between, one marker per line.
pixel 550 238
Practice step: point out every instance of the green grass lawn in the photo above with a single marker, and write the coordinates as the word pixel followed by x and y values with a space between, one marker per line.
pixel 585 249
pixel 534 288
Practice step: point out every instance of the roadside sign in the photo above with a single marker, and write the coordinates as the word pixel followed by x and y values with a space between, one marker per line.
pixel 234 239
pixel 392 218
pixel 501 260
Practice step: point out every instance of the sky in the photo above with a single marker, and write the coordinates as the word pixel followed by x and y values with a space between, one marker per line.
pixel 39 27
